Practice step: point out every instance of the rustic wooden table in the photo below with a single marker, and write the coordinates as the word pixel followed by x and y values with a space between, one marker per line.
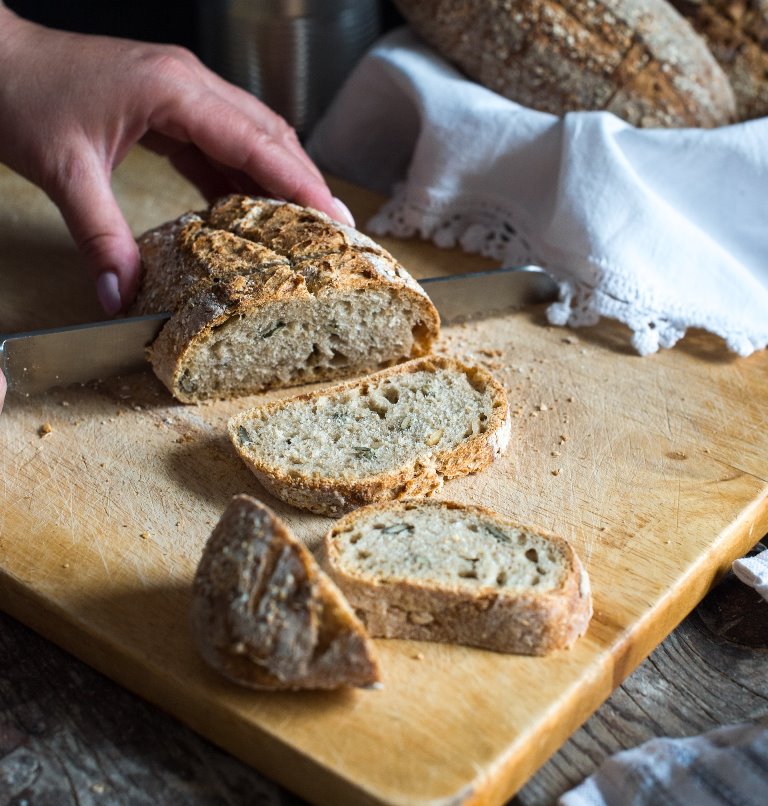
pixel 68 735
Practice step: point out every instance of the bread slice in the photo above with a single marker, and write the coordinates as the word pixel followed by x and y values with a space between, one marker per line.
pixel 266 616
pixel 398 433
pixel 437 571
pixel 636 58
pixel 265 294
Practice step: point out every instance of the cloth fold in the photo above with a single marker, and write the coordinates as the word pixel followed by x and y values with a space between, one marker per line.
pixel 661 229
pixel 723 767
pixel 752 570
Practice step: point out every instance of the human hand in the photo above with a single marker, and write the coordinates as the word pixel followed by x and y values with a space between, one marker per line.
pixel 72 105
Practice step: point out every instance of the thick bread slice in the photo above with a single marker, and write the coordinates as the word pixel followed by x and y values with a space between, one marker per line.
pixel 399 433
pixel 266 294
pixel 265 615
pixel 436 571
pixel 636 58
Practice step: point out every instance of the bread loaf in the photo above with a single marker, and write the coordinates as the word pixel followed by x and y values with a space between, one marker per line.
pixel 736 32
pixel 266 616
pixel 398 433
pixel 436 571
pixel 266 294
pixel 636 58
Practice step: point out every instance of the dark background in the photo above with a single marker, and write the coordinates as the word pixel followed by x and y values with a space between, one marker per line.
pixel 147 20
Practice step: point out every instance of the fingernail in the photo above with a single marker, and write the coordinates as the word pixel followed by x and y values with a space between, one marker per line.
pixel 108 292
pixel 344 213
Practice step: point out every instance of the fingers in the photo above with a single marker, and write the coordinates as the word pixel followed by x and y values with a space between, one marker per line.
pixel 272 123
pixel 192 164
pixel 262 148
pixel 83 193
pixel 3 389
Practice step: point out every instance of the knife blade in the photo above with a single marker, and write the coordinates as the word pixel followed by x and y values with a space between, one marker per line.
pixel 38 360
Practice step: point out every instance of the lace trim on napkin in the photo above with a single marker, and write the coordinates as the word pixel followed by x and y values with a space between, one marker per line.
pixel 479 227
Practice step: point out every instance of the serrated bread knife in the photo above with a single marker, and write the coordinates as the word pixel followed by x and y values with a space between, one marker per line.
pixel 38 360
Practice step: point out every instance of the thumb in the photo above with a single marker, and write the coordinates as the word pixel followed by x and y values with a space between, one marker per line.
pixel 100 231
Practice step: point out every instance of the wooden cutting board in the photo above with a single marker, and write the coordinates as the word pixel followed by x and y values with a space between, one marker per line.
pixel 654 468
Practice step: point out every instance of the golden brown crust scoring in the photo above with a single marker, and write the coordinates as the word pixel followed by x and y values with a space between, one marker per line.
pixel 242 253
pixel 266 616
pixel 522 622
pixel 333 497
pixel 636 58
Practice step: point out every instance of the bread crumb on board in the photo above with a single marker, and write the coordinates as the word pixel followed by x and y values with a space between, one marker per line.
pixel 45 429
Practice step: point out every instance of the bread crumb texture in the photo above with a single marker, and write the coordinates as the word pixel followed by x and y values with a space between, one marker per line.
pixel 266 616
pixel 265 294
pixel 440 571
pixel 462 548
pixel 398 433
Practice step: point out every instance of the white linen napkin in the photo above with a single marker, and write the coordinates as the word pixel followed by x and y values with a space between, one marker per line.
pixel 752 570
pixel 723 767
pixel 660 229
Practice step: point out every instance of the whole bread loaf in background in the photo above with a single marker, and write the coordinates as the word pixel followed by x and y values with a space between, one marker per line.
pixel 265 615
pixel 267 294
pixel 736 32
pixel 636 58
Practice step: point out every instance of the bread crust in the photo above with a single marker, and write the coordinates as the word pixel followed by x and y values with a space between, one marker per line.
pixel 266 616
pixel 525 622
pixel 736 32
pixel 636 58
pixel 334 496
pixel 243 254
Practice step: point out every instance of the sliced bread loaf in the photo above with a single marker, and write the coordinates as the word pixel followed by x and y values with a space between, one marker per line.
pixel 398 433
pixel 265 615
pixel 267 294
pixel 436 571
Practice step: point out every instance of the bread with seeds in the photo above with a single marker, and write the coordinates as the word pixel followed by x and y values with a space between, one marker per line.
pixel 265 294
pixel 438 571
pixel 636 58
pixel 398 433
pixel 266 616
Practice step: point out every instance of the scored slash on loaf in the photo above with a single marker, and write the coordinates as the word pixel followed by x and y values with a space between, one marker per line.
pixel 398 433
pixel 439 571
pixel 266 294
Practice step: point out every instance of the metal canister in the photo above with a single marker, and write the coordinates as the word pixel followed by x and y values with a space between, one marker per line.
pixel 292 54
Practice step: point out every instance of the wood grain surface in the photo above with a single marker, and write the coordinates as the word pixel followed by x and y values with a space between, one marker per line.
pixel 654 468
pixel 71 737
